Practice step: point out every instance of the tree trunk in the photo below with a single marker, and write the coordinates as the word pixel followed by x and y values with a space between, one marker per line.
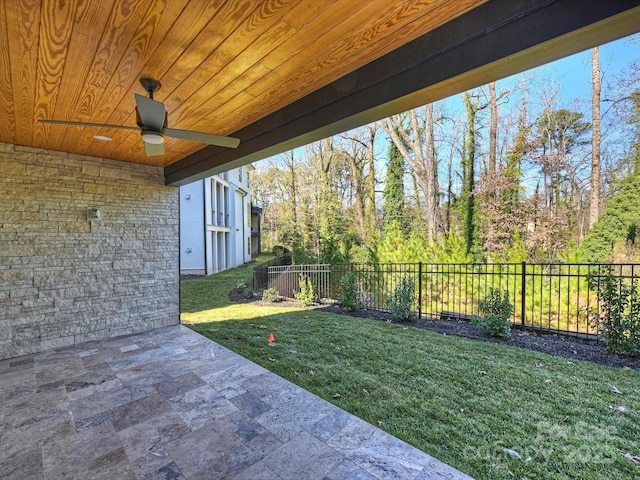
pixel 493 129
pixel 371 221
pixel 468 175
pixel 356 169
pixel 417 148
pixel 294 191
pixel 447 227
pixel 359 150
pixel 594 197
pixel 393 194
pixel 431 194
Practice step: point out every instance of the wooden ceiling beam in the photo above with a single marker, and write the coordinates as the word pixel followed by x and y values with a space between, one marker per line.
pixel 492 41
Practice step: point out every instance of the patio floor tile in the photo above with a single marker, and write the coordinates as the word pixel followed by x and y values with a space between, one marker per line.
pixel 350 470
pixel 250 404
pixel 187 451
pixel 303 457
pixel 168 472
pixel 178 385
pixel 198 406
pixel 137 411
pixel 171 404
pixel 25 465
pixel 144 442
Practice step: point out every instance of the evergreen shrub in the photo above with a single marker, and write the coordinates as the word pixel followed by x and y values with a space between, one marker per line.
pixel 245 286
pixel 306 295
pixel 402 300
pixel 619 317
pixel 270 295
pixel 497 311
pixel 349 292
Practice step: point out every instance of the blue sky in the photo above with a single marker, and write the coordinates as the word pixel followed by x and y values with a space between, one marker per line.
pixel 571 76
pixel 574 73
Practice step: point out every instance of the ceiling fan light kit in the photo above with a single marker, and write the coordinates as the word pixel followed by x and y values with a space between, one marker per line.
pixel 153 137
pixel 151 118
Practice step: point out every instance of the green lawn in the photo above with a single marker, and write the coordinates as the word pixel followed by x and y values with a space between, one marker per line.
pixel 462 401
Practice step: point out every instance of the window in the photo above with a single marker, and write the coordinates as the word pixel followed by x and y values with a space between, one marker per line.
pixel 249 246
pixel 214 202
pixel 240 174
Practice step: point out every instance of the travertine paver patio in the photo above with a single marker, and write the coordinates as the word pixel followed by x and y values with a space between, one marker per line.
pixel 171 404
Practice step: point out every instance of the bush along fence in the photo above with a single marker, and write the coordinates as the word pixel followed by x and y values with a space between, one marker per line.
pixel 563 298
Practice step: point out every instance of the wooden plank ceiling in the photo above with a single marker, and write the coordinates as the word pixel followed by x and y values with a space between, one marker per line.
pixel 223 64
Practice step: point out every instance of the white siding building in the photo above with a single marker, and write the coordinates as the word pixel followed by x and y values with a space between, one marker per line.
pixel 215 222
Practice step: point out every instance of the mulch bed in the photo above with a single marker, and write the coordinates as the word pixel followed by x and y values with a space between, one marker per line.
pixel 565 346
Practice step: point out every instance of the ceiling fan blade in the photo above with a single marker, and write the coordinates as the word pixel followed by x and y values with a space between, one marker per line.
pixel 151 112
pixel 88 124
pixel 153 149
pixel 219 140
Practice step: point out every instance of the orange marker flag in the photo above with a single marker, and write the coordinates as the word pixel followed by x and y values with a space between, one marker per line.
pixel 271 339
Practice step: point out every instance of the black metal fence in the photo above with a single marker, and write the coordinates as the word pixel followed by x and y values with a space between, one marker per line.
pixel 260 272
pixel 553 297
pixel 286 279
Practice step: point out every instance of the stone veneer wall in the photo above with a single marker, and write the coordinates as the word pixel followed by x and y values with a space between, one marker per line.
pixel 65 279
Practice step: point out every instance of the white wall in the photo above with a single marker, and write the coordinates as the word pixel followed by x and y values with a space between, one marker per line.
pixel 192 231
pixel 218 243
pixel 238 229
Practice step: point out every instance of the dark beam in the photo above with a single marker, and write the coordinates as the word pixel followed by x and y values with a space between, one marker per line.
pixel 495 40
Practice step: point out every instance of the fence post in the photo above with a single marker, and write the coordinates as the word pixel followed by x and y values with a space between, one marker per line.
pixel 419 290
pixel 523 292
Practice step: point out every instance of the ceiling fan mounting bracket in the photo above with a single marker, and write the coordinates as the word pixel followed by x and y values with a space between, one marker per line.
pixel 150 85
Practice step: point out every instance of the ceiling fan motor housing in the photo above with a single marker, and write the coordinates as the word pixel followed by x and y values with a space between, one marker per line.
pixel 151 135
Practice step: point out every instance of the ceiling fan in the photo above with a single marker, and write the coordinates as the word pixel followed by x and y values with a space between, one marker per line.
pixel 151 118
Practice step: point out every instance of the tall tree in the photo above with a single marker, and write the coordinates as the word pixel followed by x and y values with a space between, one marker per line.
pixel 635 118
pixel 467 195
pixel 493 128
pixel 468 174
pixel 453 154
pixel 414 215
pixel 559 133
pixel 293 192
pixel 503 217
pixel 431 188
pixel 513 167
pixel 332 232
pixel 371 212
pixel 615 236
pixel 412 133
pixel 393 194
pixel 359 149
pixel 275 186
pixel 594 197
pixel 557 136
pixel 357 164
pixel 491 183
